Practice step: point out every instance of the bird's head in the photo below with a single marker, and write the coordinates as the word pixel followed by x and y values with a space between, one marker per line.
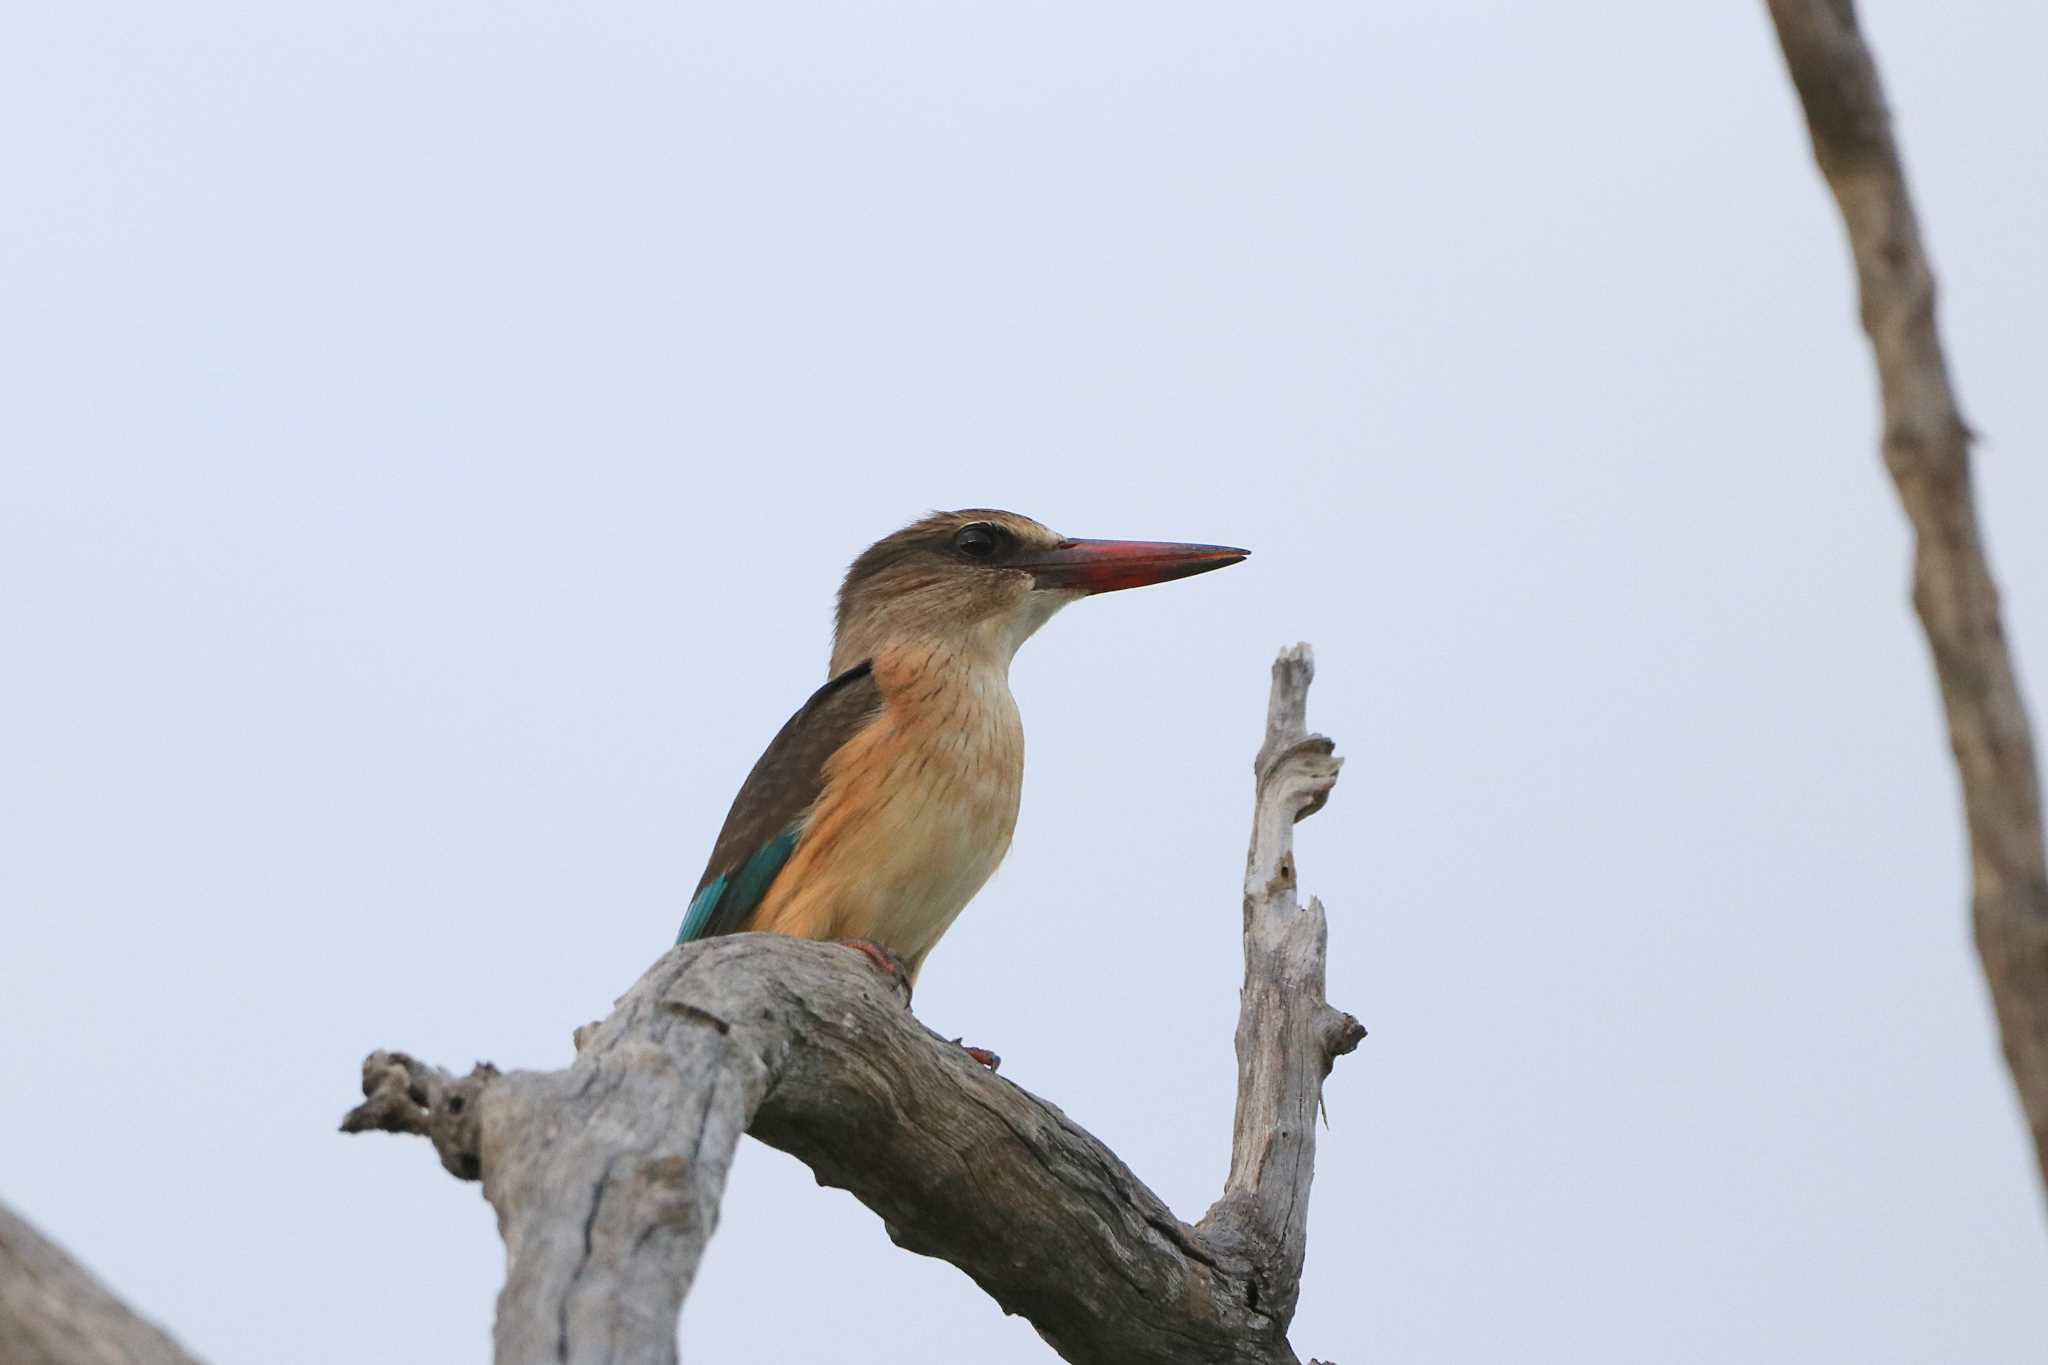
pixel 980 581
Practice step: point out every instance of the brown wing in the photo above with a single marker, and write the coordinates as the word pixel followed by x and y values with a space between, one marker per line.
pixel 766 819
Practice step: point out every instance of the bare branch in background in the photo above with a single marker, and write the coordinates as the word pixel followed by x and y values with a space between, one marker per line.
pixel 607 1176
pixel 1927 449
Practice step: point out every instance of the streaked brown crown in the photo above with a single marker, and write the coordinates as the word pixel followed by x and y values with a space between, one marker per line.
pixel 942 573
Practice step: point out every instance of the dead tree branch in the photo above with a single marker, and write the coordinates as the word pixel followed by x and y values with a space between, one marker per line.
pixel 54 1312
pixel 1927 449
pixel 606 1176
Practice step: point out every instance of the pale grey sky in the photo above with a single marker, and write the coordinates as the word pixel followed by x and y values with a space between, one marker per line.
pixel 432 436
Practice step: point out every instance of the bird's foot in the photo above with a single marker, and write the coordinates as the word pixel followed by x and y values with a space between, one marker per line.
pixel 886 962
pixel 981 1054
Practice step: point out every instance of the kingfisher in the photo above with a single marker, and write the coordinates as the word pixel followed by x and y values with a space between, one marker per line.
pixel 889 798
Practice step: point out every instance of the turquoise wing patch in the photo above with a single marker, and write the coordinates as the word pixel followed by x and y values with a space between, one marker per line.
pixel 699 913
pixel 727 900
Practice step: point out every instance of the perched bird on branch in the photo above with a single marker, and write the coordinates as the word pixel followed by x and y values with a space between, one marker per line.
pixel 888 800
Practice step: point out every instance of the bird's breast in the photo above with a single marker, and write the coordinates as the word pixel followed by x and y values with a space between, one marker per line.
pixel 916 811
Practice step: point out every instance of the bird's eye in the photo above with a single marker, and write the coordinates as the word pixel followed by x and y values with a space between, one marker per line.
pixel 978 541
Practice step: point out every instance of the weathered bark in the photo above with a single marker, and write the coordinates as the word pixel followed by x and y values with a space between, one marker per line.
pixel 54 1312
pixel 606 1176
pixel 1284 1026
pixel 1927 449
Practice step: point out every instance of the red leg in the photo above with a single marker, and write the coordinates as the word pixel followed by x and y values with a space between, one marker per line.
pixel 886 962
pixel 981 1054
